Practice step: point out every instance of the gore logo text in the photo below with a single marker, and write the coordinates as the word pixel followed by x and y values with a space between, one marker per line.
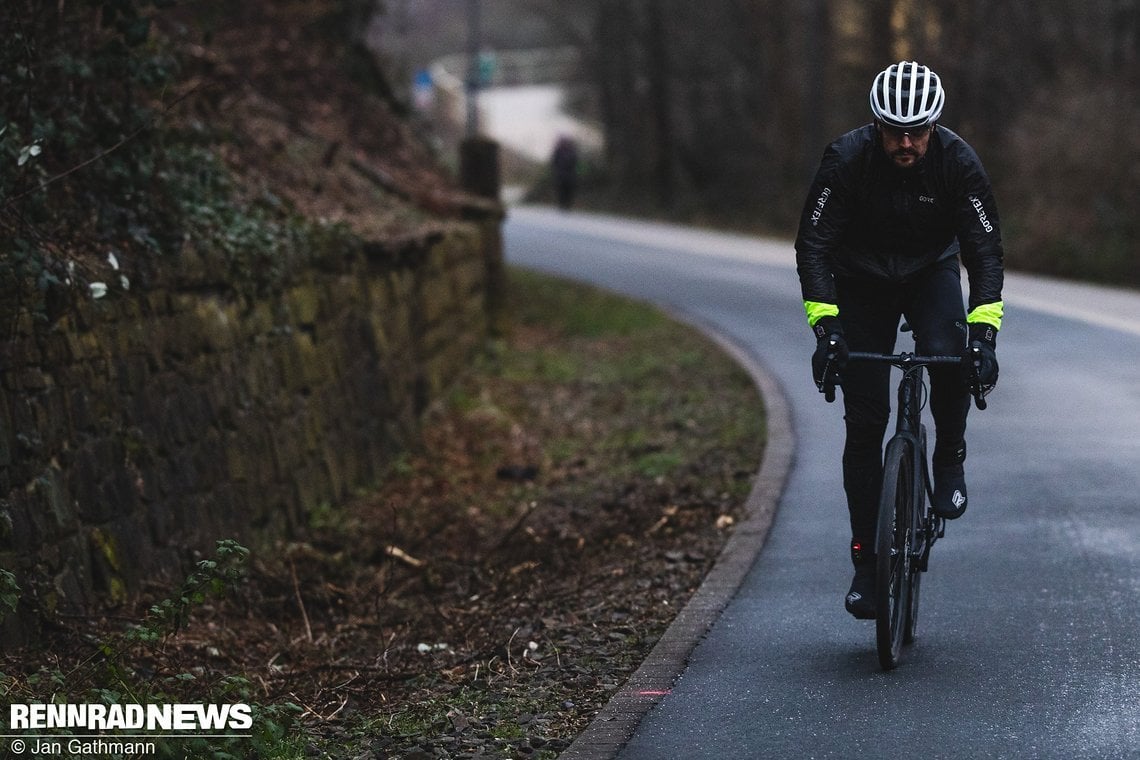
pixel 981 214
pixel 820 202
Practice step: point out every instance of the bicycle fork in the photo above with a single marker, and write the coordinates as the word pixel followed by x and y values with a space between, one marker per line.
pixel 927 526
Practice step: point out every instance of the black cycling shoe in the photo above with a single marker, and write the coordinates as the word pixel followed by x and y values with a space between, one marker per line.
pixel 949 500
pixel 860 600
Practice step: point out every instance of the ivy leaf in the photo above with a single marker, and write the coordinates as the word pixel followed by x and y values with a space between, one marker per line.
pixel 28 152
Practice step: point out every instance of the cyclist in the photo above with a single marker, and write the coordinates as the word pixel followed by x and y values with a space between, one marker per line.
pixel 894 206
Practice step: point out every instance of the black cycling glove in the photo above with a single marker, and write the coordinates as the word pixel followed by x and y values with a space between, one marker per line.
pixel 830 355
pixel 980 358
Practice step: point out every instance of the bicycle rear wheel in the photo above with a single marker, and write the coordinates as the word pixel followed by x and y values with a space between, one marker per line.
pixel 892 582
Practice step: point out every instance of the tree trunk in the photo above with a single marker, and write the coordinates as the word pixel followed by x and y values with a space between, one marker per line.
pixel 660 73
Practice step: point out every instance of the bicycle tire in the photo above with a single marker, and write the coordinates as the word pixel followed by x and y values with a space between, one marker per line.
pixel 910 631
pixel 892 578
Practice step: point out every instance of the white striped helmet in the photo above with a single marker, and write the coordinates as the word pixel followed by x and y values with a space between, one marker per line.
pixel 907 94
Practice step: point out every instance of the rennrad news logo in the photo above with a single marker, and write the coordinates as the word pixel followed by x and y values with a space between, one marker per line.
pixel 137 717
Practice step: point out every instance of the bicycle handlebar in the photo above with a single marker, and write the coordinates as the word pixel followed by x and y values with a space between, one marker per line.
pixel 903 360
pixel 906 361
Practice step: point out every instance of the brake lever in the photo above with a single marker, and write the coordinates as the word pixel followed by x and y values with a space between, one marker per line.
pixel 827 387
pixel 976 385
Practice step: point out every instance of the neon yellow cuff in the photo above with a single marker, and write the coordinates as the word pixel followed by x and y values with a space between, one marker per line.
pixel 817 311
pixel 987 313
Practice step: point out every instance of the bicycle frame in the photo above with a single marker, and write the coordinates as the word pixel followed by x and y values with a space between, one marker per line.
pixel 908 426
pixel 908 527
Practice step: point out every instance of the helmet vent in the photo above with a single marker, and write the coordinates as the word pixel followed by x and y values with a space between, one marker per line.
pixel 907 94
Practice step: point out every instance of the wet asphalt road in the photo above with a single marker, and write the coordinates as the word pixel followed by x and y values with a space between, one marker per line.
pixel 1029 639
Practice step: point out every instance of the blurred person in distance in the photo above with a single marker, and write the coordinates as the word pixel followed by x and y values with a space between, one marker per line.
pixel 564 169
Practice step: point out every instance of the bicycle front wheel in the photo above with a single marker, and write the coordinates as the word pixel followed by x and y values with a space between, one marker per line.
pixel 910 631
pixel 923 528
pixel 892 582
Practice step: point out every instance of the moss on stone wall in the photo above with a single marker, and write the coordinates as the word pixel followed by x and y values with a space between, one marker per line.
pixel 144 426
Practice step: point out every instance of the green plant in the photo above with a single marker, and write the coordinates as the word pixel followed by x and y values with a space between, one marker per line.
pixel 272 723
pixel 658 464
pixel 77 111
pixel 210 577
pixel 110 674
pixel 9 593
pixel 97 180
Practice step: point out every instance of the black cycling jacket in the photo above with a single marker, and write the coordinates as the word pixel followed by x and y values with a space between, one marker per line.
pixel 865 217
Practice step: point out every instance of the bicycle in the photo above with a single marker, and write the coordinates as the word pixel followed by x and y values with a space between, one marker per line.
pixel 907 527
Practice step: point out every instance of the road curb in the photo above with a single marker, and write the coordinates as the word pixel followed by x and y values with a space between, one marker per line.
pixel 613 726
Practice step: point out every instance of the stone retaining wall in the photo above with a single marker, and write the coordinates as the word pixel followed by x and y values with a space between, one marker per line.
pixel 142 428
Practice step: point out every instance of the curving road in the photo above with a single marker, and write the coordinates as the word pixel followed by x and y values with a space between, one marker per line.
pixel 1029 642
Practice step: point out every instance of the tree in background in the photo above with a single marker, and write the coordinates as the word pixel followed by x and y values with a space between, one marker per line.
pixel 713 111
pixel 716 110
pixel 701 103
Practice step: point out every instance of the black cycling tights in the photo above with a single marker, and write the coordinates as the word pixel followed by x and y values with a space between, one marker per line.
pixel 870 312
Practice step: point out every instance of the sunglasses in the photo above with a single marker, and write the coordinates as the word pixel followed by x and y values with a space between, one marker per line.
pixel 898 133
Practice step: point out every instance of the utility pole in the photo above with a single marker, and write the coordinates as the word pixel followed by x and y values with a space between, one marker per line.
pixel 474 43
pixel 478 156
pixel 479 174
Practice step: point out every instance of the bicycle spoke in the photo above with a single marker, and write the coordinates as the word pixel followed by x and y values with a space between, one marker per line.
pixel 893 573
